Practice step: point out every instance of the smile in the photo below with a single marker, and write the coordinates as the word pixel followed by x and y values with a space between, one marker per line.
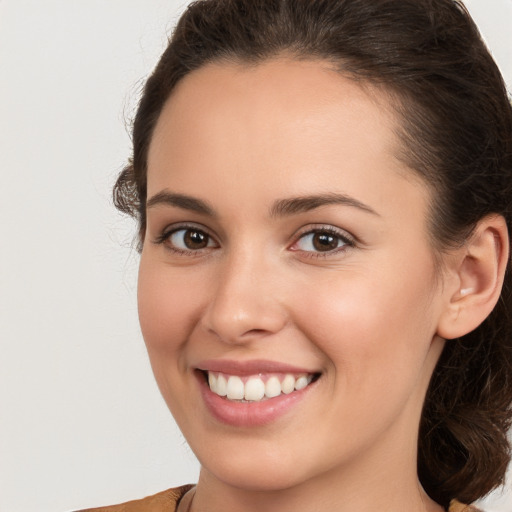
pixel 256 388
pixel 253 393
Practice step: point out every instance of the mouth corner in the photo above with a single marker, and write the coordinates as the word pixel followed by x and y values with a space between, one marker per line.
pixel 203 374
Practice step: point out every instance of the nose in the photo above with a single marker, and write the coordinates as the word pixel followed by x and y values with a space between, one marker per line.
pixel 246 302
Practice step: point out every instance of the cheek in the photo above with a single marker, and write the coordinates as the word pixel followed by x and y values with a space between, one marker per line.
pixel 370 325
pixel 168 304
pixel 376 342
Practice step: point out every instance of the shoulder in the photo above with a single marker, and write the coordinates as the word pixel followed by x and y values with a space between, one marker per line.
pixel 164 501
pixel 455 506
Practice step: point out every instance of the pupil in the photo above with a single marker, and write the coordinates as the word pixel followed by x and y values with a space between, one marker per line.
pixel 196 239
pixel 324 242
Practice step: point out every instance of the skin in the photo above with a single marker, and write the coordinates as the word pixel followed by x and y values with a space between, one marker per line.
pixel 365 316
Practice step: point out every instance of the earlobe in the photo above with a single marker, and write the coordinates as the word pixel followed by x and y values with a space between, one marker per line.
pixel 479 268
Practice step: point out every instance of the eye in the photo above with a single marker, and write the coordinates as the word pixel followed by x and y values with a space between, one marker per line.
pixel 186 239
pixel 191 239
pixel 322 240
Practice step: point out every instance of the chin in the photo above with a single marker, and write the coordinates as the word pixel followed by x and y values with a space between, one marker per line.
pixel 256 466
pixel 252 477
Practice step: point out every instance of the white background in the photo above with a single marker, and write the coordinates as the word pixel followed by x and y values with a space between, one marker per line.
pixel 81 420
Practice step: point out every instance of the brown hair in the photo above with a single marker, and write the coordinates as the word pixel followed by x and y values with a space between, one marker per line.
pixel 457 135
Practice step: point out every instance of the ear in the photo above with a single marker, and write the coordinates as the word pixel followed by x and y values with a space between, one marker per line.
pixel 475 278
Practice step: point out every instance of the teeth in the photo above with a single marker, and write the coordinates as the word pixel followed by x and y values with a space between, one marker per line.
pixel 212 380
pixel 222 386
pixel 235 389
pixel 272 387
pixel 288 384
pixel 255 389
pixel 301 383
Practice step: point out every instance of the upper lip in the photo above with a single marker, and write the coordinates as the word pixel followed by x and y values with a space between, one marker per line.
pixel 252 367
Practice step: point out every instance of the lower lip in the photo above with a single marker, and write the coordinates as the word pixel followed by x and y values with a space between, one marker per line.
pixel 249 414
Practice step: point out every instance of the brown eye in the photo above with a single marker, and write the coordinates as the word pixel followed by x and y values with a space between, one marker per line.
pixel 195 239
pixel 190 239
pixel 322 241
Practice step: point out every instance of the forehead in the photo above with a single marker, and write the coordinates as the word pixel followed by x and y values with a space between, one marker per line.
pixel 285 122
pixel 265 97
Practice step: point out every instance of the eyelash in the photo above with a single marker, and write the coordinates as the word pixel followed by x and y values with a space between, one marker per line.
pixel 342 236
pixel 167 233
pixel 347 240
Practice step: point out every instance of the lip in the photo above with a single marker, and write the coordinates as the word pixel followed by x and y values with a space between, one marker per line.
pixel 253 367
pixel 250 414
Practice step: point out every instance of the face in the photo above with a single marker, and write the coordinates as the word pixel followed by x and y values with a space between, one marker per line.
pixel 287 290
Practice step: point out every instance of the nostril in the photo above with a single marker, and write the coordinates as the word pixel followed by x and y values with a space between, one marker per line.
pixel 255 332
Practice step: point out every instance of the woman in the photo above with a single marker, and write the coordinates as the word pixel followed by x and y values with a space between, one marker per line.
pixel 324 195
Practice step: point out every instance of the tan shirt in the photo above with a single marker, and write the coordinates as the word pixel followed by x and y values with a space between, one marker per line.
pixel 168 501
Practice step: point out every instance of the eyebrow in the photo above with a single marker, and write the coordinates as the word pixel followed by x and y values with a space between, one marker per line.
pixel 295 205
pixel 181 201
pixel 281 208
